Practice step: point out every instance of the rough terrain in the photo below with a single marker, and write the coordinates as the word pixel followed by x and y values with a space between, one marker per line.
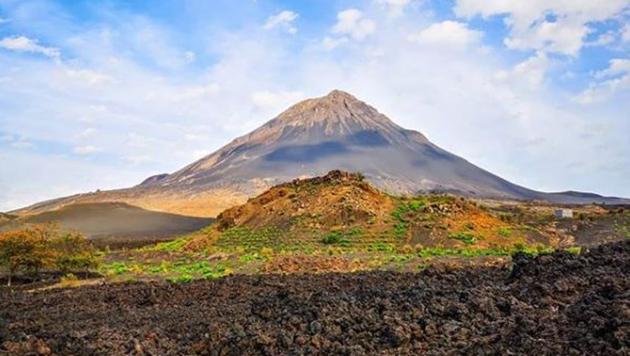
pixel 552 304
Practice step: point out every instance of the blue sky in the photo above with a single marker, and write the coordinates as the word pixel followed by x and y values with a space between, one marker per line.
pixel 99 95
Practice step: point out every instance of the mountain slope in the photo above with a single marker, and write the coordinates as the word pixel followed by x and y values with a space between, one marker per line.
pixel 315 136
pixel 339 132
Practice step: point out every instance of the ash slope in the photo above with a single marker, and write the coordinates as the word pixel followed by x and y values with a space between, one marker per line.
pixel 309 139
pixel 113 222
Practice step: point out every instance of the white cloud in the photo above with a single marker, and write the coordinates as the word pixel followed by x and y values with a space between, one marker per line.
pixel 616 66
pixel 87 133
pixel 89 77
pixel 272 102
pixel 530 71
pixel 610 81
pixel 136 160
pixel 553 26
pixel 447 34
pixel 22 143
pixel 190 56
pixel 395 7
pixel 352 22
pixel 85 150
pixel 6 138
pixel 197 154
pixel 603 39
pixel 283 19
pixel 17 142
pixel 330 43
pixel 25 44
pixel 625 33
pixel 194 137
pixel 149 41
pixel 599 92
pixel 563 36
pixel 194 92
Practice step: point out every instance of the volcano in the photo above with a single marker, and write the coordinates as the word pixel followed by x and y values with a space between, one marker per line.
pixel 311 138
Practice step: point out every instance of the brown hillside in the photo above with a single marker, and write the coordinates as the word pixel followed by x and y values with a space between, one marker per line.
pixel 6 217
pixel 336 200
pixel 343 210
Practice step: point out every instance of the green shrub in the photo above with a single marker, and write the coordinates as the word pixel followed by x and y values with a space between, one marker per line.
pixel 381 247
pixel 116 268
pixel 416 205
pixel 400 230
pixel 251 257
pixel 464 237
pixel 335 237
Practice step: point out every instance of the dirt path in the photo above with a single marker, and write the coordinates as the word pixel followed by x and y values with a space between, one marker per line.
pixel 559 304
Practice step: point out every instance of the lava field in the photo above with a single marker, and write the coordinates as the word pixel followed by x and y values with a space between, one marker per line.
pixel 547 305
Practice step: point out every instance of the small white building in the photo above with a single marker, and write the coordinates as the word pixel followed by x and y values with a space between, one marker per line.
pixel 564 213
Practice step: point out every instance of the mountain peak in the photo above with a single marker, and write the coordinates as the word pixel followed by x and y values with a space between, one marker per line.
pixel 338 110
pixel 339 95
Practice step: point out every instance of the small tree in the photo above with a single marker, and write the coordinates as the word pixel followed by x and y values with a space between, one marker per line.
pixel 40 246
pixel 23 250
pixel 73 252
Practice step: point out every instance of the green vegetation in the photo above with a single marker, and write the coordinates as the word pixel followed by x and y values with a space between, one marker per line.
pixel 183 270
pixel 335 237
pixel 251 257
pixel 401 225
pixel 477 252
pixel 341 237
pixel 381 247
pixel 183 267
pixel 505 231
pixel 465 237
pixel 418 209
pixel 251 240
pixel 400 229
pixel 170 246
pixel 115 268
pixel 576 250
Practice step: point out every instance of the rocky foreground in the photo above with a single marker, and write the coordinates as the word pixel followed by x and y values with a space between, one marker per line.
pixel 554 304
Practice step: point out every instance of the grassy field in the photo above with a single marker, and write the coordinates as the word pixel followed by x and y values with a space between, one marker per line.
pixel 243 252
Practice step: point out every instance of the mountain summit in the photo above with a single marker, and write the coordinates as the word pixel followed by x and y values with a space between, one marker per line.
pixel 311 138
pixel 337 113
